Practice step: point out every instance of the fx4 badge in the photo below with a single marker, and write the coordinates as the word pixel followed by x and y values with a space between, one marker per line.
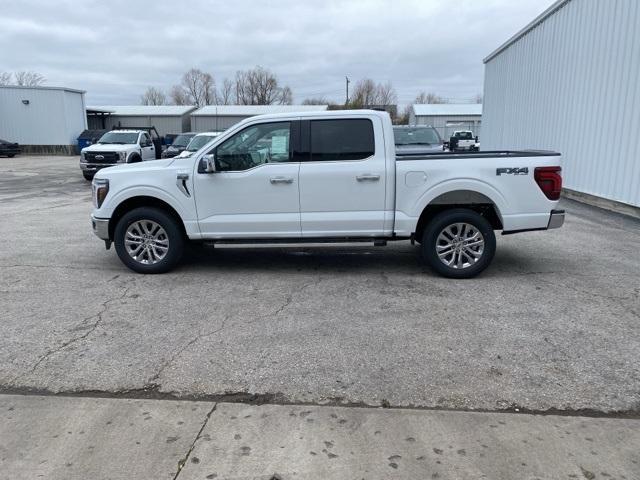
pixel 513 171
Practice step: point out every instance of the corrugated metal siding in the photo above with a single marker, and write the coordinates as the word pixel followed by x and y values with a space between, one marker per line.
pixel 572 84
pixel 213 123
pixel 444 124
pixel 52 117
pixel 164 125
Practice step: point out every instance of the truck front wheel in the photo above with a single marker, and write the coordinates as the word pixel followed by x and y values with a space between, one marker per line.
pixel 458 243
pixel 149 240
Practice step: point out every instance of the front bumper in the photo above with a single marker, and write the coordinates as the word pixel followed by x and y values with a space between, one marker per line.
pixel 556 219
pixel 100 227
pixel 94 167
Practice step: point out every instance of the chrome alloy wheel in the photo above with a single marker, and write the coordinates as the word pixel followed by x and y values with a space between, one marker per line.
pixel 460 245
pixel 146 242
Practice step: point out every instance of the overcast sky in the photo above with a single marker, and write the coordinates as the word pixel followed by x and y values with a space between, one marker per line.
pixel 115 49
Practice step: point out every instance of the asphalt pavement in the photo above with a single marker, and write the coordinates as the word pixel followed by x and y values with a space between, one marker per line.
pixel 552 325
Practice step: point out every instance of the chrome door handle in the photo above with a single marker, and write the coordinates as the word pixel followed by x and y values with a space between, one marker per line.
pixel 368 176
pixel 275 180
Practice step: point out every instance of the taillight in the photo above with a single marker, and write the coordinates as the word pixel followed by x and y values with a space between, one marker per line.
pixel 549 181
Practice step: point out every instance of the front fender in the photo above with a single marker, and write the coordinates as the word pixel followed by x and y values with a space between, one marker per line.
pixel 107 209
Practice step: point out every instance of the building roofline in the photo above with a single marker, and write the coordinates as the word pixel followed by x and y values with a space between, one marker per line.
pixel 42 87
pixel 530 26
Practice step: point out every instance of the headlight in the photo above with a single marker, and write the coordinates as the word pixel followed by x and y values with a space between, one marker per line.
pixel 100 188
pixel 122 156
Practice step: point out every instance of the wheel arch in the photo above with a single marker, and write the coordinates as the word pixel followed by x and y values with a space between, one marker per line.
pixel 143 201
pixel 462 198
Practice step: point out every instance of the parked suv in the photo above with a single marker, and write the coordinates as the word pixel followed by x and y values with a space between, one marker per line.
pixel 197 142
pixel 179 145
pixel 416 139
pixel 464 140
pixel 114 147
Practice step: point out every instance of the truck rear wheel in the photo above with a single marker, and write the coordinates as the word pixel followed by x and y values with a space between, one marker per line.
pixel 148 240
pixel 458 243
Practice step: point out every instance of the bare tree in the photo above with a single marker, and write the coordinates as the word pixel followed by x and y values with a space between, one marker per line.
pixel 424 97
pixel 200 87
pixel 259 86
pixel 5 78
pixel 179 96
pixel 386 94
pixel 28 79
pixel 286 96
pixel 364 93
pixel 153 96
pixel 225 95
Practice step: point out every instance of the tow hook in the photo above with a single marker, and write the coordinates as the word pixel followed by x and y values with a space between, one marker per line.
pixel 107 244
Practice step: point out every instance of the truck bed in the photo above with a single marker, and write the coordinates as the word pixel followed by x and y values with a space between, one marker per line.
pixel 481 154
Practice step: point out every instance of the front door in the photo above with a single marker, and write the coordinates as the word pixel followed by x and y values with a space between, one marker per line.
pixel 147 148
pixel 254 191
pixel 343 181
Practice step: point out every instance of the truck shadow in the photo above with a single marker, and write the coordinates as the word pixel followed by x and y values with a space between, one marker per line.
pixel 400 258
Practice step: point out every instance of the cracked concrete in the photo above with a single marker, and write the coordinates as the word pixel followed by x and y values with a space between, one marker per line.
pixel 553 324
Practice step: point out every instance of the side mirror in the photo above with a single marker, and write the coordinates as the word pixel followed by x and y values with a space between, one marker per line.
pixel 476 139
pixel 208 163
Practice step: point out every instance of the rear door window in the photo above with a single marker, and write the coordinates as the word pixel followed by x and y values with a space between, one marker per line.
pixel 335 140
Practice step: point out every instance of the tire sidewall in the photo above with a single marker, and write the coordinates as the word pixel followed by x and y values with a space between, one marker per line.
pixel 448 217
pixel 170 225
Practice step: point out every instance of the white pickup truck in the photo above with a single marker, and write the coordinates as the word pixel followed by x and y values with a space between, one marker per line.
pixel 324 177
pixel 117 146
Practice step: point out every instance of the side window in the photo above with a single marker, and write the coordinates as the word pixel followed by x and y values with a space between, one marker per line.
pixel 255 145
pixel 145 139
pixel 349 139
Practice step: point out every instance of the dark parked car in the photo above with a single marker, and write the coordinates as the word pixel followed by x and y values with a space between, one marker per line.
pixel 9 149
pixel 178 146
pixel 416 139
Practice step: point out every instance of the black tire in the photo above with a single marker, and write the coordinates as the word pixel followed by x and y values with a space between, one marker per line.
pixel 431 243
pixel 11 155
pixel 134 158
pixel 88 176
pixel 173 234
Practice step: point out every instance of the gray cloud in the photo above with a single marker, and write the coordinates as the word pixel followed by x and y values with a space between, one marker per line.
pixel 115 49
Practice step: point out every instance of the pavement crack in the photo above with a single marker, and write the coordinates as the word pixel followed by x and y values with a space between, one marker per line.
pixel 183 461
pixel 92 328
pixel 180 351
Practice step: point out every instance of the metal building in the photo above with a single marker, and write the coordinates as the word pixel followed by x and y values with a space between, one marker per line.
pixel 166 118
pixel 448 117
pixel 570 81
pixel 42 119
pixel 217 118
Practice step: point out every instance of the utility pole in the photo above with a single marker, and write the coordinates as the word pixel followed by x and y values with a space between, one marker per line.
pixel 346 102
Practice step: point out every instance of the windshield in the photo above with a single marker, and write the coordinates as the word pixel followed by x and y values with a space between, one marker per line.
pixel 182 140
pixel 416 136
pixel 464 135
pixel 198 142
pixel 120 138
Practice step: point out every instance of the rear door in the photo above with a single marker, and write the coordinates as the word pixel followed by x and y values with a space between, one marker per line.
pixel 342 177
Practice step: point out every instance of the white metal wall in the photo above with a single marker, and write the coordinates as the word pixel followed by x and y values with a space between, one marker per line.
pixel 52 116
pixel 163 124
pixel 214 123
pixel 445 123
pixel 572 84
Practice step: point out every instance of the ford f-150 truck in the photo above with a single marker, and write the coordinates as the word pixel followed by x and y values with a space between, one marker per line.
pixel 117 146
pixel 325 177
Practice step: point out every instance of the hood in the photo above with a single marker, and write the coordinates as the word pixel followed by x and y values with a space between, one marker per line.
pixel 134 167
pixel 434 147
pixel 109 147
